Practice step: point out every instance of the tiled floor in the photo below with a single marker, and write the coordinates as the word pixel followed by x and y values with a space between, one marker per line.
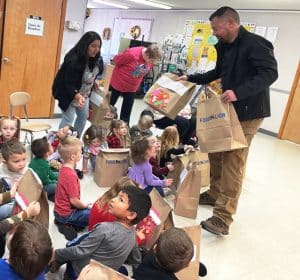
pixel 264 239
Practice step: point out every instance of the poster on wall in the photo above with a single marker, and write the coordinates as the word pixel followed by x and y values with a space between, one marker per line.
pixel 131 28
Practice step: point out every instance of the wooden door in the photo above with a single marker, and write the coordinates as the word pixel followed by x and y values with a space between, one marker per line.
pixel 29 62
pixel 290 126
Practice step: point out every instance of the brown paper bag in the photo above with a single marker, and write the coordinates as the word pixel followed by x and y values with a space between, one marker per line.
pixel 218 127
pixel 30 187
pixel 187 197
pixel 96 270
pixel 181 162
pixel 99 109
pixel 111 165
pixel 165 215
pixel 169 96
pixel 191 272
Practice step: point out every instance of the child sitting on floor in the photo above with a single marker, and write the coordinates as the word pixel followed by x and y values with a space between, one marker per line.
pixel 41 150
pixel 9 129
pixel 68 208
pixel 170 145
pixel 142 129
pixel 173 251
pixel 93 140
pixel 110 243
pixel 12 170
pixel 141 170
pixel 30 250
pixel 117 135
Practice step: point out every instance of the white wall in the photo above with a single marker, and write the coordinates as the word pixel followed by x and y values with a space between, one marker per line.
pixel 76 12
pixel 287 44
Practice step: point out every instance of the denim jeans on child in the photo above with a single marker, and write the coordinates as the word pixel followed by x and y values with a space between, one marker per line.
pixel 79 218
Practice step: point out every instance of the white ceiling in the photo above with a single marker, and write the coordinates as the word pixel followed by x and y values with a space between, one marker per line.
pixel 209 4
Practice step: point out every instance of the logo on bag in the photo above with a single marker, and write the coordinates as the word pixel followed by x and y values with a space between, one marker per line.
pixel 212 117
pixel 115 161
pixel 159 98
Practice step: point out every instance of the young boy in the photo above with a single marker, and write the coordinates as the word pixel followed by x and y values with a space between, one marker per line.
pixel 172 252
pixel 110 243
pixel 41 150
pixel 68 208
pixel 30 250
pixel 142 129
pixel 12 169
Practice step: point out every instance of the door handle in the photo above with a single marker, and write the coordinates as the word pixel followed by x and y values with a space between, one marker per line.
pixel 5 60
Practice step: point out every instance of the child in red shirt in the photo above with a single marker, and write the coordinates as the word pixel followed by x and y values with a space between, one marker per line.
pixel 117 134
pixel 68 208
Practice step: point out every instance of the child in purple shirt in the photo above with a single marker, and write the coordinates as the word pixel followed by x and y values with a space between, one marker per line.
pixel 141 170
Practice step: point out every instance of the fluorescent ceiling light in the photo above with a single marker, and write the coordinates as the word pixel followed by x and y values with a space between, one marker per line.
pixel 152 4
pixel 111 4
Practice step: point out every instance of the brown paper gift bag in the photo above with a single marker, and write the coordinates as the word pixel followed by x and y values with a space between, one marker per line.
pixel 169 96
pixel 187 197
pixel 191 272
pixel 99 109
pixel 96 270
pixel 165 215
pixel 218 127
pixel 181 162
pixel 30 186
pixel 111 165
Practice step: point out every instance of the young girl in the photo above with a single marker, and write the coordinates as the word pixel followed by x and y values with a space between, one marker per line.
pixel 117 135
pixel 141 171
pixel 170 145
pixel 9 128
pixel 154 161
pixel 93 140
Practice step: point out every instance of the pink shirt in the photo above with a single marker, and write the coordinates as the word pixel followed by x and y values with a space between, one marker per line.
pixel 129 70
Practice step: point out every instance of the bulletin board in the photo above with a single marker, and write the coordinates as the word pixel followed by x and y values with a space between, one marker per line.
pixel 123 27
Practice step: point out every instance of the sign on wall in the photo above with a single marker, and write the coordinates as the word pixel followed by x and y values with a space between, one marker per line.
pixel 34 26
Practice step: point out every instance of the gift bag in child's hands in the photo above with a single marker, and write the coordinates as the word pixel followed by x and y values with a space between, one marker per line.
pixel 164 214
pixel 30 189
pixel 187 197
pixel 218 128
pixel 111 165
pixel 191 272
pixel 169 96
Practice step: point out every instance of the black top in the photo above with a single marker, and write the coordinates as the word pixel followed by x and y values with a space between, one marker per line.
pixel 149 269
pixel 248 67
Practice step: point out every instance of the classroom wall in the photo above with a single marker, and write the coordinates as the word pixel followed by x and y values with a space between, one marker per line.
pixel 287 44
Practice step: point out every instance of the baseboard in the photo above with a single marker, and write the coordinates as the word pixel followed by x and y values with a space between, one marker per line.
pixel 268 132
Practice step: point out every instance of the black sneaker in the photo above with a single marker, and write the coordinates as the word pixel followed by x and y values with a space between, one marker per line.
pixel 215 225
pixel 206 199
pixel 202 270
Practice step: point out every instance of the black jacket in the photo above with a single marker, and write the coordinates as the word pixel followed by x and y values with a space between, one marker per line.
pixel 248 67
pixel 149 269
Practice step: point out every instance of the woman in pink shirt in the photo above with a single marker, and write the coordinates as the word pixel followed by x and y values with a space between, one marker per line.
pixel 130 68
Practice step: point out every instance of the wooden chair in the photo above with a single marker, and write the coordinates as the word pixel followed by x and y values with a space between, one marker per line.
pixel 21 98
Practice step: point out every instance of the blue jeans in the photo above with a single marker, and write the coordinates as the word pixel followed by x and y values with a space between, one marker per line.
pixel 148 189
pixel 79 218
pixel 50 189
pixel 81 116
pixel 6 209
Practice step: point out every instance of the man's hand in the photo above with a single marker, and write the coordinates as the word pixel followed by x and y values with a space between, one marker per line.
pixel 228 96
pixel 182 78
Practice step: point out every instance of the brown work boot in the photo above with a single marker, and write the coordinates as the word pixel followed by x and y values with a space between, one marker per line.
pixel 215 225
pixel 206 199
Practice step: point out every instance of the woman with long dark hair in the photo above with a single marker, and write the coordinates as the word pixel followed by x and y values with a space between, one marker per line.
pixel 75 79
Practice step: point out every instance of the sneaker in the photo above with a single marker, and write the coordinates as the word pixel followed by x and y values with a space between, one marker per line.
pixel 206 199
pixel 215 225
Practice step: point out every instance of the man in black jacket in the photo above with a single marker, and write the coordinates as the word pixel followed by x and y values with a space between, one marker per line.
pixel 247 67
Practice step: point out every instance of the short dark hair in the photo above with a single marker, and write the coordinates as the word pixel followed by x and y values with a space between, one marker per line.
pixel 139 202
pixel 138 150
pixel 147 113
pixel 174 249
pixel 39 147
pixel 93 132
pixel 12 147
pixel 227 12
pixel 30 249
